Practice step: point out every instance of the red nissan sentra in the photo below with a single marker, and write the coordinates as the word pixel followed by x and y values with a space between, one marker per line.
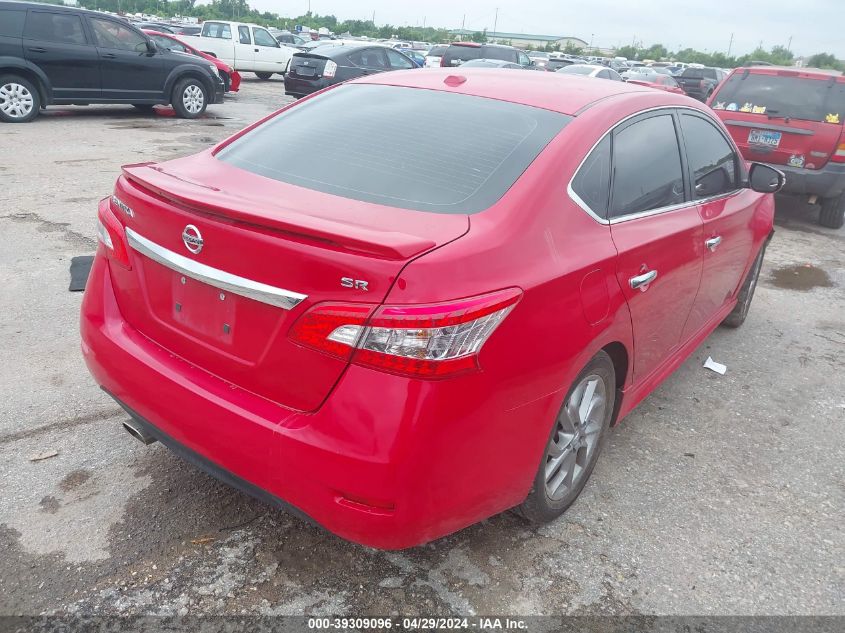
pixel 439 319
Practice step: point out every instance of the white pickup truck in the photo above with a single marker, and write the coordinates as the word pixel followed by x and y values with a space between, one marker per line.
pixel 245 47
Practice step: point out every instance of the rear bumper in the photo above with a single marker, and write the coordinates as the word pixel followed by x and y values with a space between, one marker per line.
pixel 828 182
pixel 298 87
pixel 384 462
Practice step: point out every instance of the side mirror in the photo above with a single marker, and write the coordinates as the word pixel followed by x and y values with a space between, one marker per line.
pixel 765 179
pixel 152 47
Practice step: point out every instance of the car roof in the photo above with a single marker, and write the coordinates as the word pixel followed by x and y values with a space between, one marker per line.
pixel 567 94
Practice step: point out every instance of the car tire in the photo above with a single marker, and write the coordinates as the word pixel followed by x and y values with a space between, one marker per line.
pixel 19 99
pixel 264 76
pixel 746 294
pixel 575 442
pixel 190 98
pixel 832 214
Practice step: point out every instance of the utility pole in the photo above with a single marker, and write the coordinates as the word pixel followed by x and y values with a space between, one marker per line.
pixel 463 23
pixel 374 18
pixel 789 46
pixel 495 21
pixel 730 44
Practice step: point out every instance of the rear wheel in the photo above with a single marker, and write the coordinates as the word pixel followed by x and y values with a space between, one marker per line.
pixel 833 212
pixel 190 98
pixel 264 76
pixel 19 99
pixel 746 294
pixel 576 440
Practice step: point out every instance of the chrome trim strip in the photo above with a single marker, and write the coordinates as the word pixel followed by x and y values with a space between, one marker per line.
pixel 770 126
pixel 633 216
pixel 279 297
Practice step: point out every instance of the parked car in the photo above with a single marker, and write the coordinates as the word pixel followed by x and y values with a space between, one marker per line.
pixel 791 118
pixel 459 52
pixel 493 63
pixel 557 63
pixel 155 26
pixel 659 82
pixel 700 83
pixel 245 47
pixel 231 77
pixel 329 65
pixel 358 380
pixel 638 72
pixel 434 55
pixel 55 55
pixel 590 70
pixel 188 29
pixel 416 56
pixel 288 38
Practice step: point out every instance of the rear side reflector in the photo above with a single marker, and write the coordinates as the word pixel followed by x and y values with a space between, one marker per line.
pixel 424 341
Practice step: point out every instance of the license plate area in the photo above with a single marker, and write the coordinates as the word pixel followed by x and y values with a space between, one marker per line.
pixel 765 138
pixel 305 71
pixel 203 310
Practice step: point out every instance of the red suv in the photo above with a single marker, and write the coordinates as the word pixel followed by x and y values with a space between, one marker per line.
pixel 437 321
pixel 791 118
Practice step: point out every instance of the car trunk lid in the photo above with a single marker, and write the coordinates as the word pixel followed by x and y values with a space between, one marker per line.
pixel 219 277
pixel 307 65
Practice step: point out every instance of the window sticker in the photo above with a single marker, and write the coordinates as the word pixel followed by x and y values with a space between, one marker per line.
pixel 832 118
pixel 796 160
pixel 720 105
pixel 758 110
pixel 746 108
pixel 732 107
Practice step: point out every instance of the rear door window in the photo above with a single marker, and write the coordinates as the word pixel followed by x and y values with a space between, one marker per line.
pixel 711 158
pixel 54 27
pixel 783 96
pixel 372 58
pixel 646 167
pixel 426 150
pixel 11 23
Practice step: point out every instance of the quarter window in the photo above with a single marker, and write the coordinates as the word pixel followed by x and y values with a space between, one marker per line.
pixel 711 159
pixel 11 23
pixel 112 35
pixel 592 182
pixel 54 27
pixel 646 167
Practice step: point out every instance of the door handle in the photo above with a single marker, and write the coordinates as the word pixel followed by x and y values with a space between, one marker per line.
pixel 108 55
pixel 642 280
pixel 256 50
pixel 38 49
pixel 713 242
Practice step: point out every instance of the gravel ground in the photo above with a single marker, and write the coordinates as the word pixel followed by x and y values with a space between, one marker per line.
pixel 718 495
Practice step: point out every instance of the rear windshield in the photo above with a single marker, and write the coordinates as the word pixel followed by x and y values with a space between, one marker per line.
pixel 437 51
pixel 578 70
pixel 699 73
pixel 783 96
pixel 403 147
pixel 508 54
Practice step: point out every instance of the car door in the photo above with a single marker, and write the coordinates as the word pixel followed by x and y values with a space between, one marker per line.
pixel 128 71
pixel 270 56
pixel 57 43
pixel 244 49
pixel 726 210
pixel 658 236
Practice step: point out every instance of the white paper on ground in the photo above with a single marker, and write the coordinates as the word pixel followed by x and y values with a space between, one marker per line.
pixel 719 368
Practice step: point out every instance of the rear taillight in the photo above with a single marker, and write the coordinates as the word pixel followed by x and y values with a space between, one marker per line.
pixel 839 154
pixel 111 235
pixel 424 341
pixel 702 84
pixel 330 69
pixel 443 61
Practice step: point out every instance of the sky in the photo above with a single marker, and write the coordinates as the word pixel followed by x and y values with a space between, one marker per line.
pixel 814 25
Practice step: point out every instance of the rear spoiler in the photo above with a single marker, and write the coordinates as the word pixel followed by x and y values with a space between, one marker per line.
pixel 207 199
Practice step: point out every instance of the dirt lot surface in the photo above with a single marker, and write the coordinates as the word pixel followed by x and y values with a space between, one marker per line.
pixel 718 495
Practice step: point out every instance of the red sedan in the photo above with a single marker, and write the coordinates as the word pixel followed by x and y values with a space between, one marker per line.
pixel 397 349
pixel 231 77
pixel 660 82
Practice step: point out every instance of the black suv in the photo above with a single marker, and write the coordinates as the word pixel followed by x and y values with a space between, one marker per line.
pixel 460 52
pixel 58 55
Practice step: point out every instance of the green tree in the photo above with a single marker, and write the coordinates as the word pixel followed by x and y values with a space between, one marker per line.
pixel 479 36
pixel 628 52
pixel 571 49
pixel 824 60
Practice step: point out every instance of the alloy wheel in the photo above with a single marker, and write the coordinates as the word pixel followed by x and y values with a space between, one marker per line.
pixel 16 101
pixel 576 437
